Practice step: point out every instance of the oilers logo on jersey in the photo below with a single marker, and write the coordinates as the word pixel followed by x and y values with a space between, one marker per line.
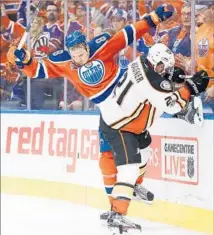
pixel 203 47
pixel 92 73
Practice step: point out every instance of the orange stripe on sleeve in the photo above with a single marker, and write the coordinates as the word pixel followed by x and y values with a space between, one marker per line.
pixel 184 93
pixel 30 70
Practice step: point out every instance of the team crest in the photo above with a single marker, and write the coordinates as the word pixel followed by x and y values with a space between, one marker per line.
pixel 92 73
pixel 166 85
pixel 203 47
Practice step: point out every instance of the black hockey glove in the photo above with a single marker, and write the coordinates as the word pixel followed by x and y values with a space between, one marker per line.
pixel 176 75
pixel 198 83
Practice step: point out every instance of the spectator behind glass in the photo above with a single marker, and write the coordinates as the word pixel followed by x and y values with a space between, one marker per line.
pixel 125 4
pixel 80 22
pixel 200 11
pixel 178 39
pixel 53 27
pixel 205 52
pixel 9 32
pixel 41 89
pixel 143 6
pixel 39 39
pixel 118 22
pixel 101 11
pixel 71 10
pixel 161 32
pixel 144 43
pixel 74 99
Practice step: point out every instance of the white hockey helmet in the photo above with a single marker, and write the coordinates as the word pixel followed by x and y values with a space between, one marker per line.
pixel 161 54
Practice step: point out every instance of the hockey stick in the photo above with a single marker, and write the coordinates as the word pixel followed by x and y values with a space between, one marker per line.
pixel 24 37
pixel 190 76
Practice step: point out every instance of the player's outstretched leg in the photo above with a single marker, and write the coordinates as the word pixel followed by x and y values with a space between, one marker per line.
pixel 109 172
pixel 122 195
pixel 140 192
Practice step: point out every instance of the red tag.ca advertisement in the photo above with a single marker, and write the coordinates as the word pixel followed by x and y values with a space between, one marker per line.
pixel 174 159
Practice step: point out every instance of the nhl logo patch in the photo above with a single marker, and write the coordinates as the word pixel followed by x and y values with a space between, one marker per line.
pixel 203 47
pixel 190 167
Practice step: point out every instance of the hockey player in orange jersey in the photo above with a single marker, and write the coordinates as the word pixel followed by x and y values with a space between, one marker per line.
pixel 91 68
pixel 95 74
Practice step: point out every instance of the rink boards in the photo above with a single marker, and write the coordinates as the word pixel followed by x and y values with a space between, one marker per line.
pixel 56 156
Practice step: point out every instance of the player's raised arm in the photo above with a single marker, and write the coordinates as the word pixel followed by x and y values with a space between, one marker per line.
pixel 132 32
pixel 51 67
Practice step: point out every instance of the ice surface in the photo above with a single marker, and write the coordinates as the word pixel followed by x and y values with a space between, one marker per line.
pixel 22 215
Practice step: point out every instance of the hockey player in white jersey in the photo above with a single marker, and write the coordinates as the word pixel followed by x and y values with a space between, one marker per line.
pixel 147 82
pixel 142 95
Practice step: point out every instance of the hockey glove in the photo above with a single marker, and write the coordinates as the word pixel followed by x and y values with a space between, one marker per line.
pixel 22 55
pixel 11 58
pixel 178 75
pixel 18 57
pixel 198 83
pixel 163 12
pixel 193 113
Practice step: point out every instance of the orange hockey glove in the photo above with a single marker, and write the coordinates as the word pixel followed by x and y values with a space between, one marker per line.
pixel 14 54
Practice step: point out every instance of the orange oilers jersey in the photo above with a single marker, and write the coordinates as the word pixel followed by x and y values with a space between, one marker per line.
pixel 205 49
pixel 11 31
pixel 96 79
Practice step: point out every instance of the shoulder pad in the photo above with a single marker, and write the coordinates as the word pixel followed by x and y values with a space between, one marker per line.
pixel 97 42
pixel 103 35
pixel 60 56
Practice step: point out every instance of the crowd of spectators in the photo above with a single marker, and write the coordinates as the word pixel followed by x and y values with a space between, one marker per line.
pixel 48 32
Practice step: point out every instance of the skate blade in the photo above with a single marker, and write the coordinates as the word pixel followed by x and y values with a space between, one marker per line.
pixel 124 231
pixel 103 223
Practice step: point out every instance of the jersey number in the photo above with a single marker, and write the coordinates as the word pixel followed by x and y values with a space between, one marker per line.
pixel 124 91
pixel 103 38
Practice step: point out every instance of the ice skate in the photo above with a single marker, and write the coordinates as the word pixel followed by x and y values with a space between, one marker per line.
pixel 142 194
pixel 119 224
pixel 105 215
